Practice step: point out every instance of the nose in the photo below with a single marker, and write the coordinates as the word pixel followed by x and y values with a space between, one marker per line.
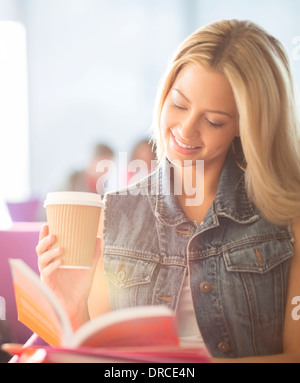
pixel 189 129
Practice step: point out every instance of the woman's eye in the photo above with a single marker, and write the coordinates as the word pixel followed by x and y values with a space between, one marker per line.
pixel 214 125
pixel 177 106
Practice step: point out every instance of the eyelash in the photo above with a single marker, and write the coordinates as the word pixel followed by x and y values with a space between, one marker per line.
pixel 216 126
pixel 177 107
pixel 213 125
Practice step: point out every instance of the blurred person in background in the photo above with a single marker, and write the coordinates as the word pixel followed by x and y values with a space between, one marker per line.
pixel 86 180
pixel 144 151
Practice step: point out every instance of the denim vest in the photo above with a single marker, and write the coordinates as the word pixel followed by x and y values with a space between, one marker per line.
pixel 236 260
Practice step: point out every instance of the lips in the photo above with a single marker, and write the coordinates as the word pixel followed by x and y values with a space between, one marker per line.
pixel 183 148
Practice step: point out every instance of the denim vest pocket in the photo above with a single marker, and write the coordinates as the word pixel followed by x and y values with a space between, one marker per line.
pixel 129 278
pixel 124 271
pixel 258 257
pixel 256 291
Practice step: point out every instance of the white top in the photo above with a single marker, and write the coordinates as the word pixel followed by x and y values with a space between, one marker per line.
pixel 189 333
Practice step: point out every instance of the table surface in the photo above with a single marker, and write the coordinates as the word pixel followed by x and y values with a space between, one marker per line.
pixel 25 227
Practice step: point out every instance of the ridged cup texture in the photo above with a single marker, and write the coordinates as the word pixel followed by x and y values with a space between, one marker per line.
pixel 75 227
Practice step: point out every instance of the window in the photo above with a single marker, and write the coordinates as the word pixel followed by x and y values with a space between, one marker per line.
pixel 14 135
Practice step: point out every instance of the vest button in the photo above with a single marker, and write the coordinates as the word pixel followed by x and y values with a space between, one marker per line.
pixel 121 275
pixel 223 347
pixel 205 287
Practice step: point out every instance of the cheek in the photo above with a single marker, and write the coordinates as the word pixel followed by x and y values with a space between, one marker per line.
pixel 167 118
pixel 164 124
pixel 219 138
pixel 162 127
pixel 164 119
pixel 227 141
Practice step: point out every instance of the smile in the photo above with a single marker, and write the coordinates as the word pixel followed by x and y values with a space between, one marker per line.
pixel 185 146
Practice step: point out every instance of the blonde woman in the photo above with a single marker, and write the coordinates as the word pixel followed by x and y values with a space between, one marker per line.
pixel 228 263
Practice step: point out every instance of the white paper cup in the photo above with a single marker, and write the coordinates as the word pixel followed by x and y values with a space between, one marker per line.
pixel 73 217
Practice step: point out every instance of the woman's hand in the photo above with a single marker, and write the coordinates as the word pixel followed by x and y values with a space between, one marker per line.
pixel 71 286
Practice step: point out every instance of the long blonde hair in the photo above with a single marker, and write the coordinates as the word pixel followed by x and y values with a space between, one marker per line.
pixel 258 70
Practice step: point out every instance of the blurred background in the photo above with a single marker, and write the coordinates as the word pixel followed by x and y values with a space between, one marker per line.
pixel 78 73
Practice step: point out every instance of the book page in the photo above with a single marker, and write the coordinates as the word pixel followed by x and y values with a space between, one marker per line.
pixel 136 326
pixel 37 309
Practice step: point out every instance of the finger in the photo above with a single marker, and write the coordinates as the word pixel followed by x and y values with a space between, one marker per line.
pixel 49 257
pixel 44 231
pixel 45 244
pixel 49 270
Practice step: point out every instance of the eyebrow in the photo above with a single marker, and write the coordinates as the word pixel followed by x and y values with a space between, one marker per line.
pixel 208 110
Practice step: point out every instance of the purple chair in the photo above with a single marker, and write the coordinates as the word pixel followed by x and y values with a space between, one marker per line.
pixel 18 242
pixel 26 211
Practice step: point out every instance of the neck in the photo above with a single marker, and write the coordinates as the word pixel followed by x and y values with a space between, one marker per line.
pixel 198 183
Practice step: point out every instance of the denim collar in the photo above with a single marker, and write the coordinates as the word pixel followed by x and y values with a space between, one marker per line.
pixel 231 200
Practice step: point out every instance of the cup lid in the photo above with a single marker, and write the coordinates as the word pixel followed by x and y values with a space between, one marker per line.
pixel 73 198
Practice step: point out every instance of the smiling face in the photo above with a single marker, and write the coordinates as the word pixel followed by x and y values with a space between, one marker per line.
pixel 199 119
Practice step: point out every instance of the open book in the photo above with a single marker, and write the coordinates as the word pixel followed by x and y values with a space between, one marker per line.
pixel 120 331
